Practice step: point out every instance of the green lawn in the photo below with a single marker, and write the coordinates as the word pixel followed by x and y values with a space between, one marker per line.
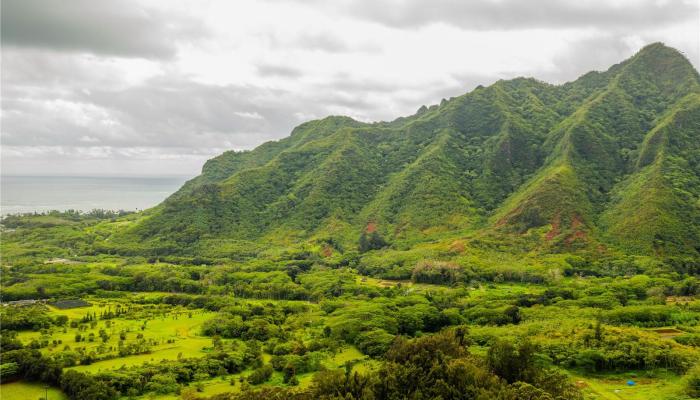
pixel 21 390
pixel 190 347
pixel 664 386
pixel 174 333
pixel 348 353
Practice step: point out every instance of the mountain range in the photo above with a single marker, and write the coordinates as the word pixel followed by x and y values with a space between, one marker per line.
pixel 610 161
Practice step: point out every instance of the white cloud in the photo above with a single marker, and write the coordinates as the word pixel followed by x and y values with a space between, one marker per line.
pixel 216 75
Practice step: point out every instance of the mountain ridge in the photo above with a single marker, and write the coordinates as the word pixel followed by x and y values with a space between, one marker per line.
pixel 520 156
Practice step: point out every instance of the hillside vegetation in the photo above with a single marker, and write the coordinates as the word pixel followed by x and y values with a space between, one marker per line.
pixel 609 160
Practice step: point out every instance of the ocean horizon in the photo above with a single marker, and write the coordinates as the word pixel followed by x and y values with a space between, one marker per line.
pixel 30 193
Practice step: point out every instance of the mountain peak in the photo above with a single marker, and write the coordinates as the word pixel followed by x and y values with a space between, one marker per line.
pixel 658 55
pixel 666 69
pixel 655 47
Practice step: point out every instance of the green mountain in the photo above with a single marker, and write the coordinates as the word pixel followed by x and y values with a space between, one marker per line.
pixel 609 161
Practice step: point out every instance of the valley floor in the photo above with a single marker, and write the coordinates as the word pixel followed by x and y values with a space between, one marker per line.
pixel 309 323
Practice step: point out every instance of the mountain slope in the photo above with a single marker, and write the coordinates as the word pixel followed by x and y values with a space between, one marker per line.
pixel 611 158
pixel 595 147
pixel 657 207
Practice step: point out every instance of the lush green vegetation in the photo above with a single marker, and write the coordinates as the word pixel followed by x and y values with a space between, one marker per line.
pixel 523 241
pixel 296 327
pixel 607 161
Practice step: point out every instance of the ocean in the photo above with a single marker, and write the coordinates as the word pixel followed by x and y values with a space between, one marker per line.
pixel 23 194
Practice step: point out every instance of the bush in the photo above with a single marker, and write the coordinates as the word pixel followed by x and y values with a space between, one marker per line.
pixel 692 382
pixel 374 343
pixel 260 375
pixel 436 272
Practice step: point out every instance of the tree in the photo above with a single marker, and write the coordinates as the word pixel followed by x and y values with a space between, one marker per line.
pixel 692 382
pixel 33 366
pixel 376 241
pixel 260 375
pixel 84 387
pixel 8 370
pixel 289 373
pixel 513 313
pixel 373 241
pixel 511 363
pixel 598 331
pixel 461 334
pixel 363 244
pixel 216 342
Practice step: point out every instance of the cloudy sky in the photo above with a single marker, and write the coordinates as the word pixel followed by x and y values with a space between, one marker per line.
pixel 156 87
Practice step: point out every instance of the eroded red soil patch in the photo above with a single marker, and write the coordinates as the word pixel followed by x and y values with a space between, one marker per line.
pixel 371 227
pixel 667 332
pixel 327 251
pixel 556 224
pixel 576 225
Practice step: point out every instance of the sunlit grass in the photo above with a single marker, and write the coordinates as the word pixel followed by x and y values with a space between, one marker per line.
pixel 179 326
pixel 648 385
pixel 21 390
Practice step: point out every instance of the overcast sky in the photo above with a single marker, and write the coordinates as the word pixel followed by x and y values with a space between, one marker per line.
pixel 157 87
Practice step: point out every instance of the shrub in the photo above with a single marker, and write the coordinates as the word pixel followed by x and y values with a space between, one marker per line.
pixel 436 272
pixel 260 375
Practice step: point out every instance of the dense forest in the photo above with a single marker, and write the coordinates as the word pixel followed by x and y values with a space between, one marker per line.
pixel 521 241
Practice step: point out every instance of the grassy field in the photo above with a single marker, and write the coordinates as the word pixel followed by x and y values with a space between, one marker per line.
pixel 223 384
pixel 349 353
pixel 28 391
pixel 660 386
pixel 172 332
pixel 190 347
